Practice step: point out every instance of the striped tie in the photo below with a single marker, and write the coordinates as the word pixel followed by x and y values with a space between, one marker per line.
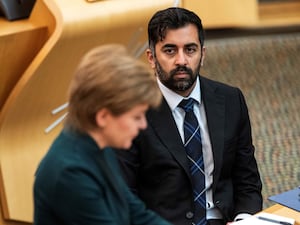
pixel 193 149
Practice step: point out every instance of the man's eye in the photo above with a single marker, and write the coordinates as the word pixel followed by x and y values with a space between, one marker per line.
pixel 169 51
pixel 191 50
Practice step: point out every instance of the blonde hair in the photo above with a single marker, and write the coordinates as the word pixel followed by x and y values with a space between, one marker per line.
pixel 108 77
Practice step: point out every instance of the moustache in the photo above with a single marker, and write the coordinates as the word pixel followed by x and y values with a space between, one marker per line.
pixel 181 69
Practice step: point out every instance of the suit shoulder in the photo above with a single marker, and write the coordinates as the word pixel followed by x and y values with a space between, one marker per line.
pixel 219 86
pixel 216 83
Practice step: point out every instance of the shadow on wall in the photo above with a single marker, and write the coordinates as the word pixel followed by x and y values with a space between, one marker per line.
pixel 266 68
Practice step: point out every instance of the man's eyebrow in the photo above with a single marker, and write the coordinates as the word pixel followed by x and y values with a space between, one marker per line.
pixel 169 46
pixel 186 45
pixel 191 45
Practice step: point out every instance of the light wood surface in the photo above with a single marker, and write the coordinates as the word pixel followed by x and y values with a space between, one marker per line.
pixel 42 87
pixel 4 221
pixel 20 41
pixel 222 14
pixel 280 210
pixel 23 46
pixel 279 14
pixel 245 13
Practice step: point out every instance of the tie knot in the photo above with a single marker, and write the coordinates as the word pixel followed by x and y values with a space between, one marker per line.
pixel 187 104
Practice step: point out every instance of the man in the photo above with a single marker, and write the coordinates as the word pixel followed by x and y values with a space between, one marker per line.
pixel 158 166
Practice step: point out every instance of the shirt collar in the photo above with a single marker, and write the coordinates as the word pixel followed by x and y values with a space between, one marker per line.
pixel 173 99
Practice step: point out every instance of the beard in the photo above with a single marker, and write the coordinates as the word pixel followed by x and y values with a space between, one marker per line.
pixel 174 84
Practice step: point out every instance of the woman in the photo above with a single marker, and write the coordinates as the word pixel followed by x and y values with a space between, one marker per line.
pixel 78 181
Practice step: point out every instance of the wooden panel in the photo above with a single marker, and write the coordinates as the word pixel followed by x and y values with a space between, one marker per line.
pixel 284 211
pixel 225 13
pixel 17 50
pixel 20 41
pixel 279 14
pixel 27 112
pixel 245 13
pixel 4 221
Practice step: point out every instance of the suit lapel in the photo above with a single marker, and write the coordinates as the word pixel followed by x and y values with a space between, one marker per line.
pixel 165 128
pixel 215 110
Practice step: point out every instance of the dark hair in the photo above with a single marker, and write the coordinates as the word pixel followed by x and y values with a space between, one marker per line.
pixel 172 18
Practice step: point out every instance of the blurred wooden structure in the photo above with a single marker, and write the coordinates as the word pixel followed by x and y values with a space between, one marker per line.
pixel 246 13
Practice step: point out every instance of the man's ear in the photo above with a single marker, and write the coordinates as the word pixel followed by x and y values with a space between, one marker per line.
pixel 203 52
pixel 101 117
pixel 150 58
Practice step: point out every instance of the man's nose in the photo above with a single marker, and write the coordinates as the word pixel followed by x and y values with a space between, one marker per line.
pixel 181 58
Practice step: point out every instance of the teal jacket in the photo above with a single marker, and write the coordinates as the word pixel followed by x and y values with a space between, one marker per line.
pixel 78 183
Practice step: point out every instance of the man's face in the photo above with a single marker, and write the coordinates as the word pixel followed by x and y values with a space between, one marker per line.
pixel 178 59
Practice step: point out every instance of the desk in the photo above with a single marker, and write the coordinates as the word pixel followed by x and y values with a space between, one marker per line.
pixel 284 211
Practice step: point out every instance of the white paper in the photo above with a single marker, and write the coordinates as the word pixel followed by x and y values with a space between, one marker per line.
pixel 274 219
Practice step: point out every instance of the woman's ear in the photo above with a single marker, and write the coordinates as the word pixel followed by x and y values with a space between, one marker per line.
pixel 101 117
pixel 150 58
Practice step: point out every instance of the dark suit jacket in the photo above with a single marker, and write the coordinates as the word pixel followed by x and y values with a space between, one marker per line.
pixel 77 183
pixel 157 168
